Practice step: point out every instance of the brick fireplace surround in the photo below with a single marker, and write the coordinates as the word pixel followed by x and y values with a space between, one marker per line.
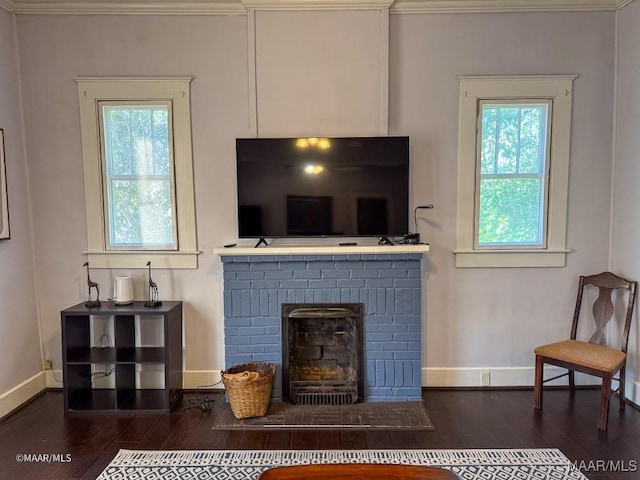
pixel 387 280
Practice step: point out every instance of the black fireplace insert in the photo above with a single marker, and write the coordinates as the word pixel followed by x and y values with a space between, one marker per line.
pixel 322 353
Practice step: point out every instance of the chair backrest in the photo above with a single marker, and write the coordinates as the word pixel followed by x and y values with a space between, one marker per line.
pixel 603 308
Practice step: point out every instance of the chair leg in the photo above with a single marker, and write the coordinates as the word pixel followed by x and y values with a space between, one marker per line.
pixel 621 391
pixel 605 394
pixel 572 383
pixel 537 388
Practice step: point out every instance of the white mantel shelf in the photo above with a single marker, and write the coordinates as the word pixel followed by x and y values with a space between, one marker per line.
pixel 321 250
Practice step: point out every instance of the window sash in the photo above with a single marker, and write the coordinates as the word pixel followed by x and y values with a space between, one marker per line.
pixel 542 173
pixel 109 178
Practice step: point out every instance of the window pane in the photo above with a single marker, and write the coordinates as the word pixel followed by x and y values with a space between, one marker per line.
pixel 141 212
pixel 511 187
pixel 510 211
pixel 489 130
pixel 513 138
pixel 507 139
pixel 138 176
pixel 532 139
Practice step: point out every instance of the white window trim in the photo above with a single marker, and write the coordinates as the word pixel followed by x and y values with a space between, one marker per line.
pixel 90 91
pixel 474 88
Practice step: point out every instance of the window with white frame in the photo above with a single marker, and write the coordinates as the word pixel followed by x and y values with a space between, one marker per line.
pixel 138 172
pixel 513 171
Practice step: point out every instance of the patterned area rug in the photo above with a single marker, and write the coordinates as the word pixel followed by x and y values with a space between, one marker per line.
pixel 538 464
pixel 366 415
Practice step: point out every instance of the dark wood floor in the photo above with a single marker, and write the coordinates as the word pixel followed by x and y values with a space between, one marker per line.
pixel 463 419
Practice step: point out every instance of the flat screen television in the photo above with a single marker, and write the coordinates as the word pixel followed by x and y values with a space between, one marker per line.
pixel 322 187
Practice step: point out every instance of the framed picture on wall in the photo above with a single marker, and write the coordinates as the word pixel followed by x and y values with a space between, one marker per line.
pixel 4 206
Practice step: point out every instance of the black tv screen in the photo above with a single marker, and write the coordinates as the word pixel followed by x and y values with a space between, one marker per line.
pixel 300 187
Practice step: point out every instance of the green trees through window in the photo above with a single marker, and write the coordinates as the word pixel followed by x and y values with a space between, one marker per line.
pixel 513 170
pixel 138 174
pixel 137 163
pixel 512 151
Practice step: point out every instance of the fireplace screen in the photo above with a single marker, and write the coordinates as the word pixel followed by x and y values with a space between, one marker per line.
pixel 322 353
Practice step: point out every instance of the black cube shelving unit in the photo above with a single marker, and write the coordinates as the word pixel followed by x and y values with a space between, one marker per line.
pixel 122 358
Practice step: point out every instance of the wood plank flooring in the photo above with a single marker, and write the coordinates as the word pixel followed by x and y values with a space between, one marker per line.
pixel 81 445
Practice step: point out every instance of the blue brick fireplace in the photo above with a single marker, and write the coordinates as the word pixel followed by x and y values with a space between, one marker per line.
pixel 388 285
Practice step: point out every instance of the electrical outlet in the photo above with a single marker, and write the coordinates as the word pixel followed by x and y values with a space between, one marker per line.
pixel 48 365
pixel 485 379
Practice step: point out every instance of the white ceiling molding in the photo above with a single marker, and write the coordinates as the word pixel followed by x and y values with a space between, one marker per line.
pixel 240 7
pixel 129 7
pixel 491 6
pixel 8 5
pixel 622 3
pixel 316 4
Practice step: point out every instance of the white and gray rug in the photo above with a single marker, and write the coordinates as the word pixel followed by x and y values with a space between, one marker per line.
pixel 499 464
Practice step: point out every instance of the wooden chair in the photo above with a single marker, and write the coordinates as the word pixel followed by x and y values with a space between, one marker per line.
pixel 358 471
pixel 593 357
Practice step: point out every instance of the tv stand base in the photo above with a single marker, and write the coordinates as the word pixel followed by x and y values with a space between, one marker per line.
pixel 260 242
pixel 385 241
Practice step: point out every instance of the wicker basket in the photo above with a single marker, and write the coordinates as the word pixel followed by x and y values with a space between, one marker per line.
pixel 250 398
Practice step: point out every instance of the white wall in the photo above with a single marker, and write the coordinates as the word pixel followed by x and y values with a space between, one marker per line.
pixel 54 50
pixel 475 318
pixel 321 73
pixel 626 198
pixel 20 361
pixel 495 317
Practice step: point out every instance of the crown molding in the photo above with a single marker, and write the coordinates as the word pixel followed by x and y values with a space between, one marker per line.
pixel 493 6
pixel 8 5
pixel 128 7
pixel 315 4
pixel 240 7
pixel 622 3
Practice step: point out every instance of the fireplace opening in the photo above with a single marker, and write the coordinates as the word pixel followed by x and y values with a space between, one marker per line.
pixel 322 353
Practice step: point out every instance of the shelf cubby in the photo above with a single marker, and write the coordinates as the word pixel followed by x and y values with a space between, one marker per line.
pixel 129 374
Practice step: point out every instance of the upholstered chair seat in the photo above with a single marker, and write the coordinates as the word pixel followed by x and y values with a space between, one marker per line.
pixel 584 353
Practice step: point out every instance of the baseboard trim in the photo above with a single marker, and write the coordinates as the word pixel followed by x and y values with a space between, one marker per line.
pixel 436 377
pixel 202 379
pixel 53 378
pixel 191 380
pixel 499 377
pixel 431 377
pixel 21 393
pixel 632 391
